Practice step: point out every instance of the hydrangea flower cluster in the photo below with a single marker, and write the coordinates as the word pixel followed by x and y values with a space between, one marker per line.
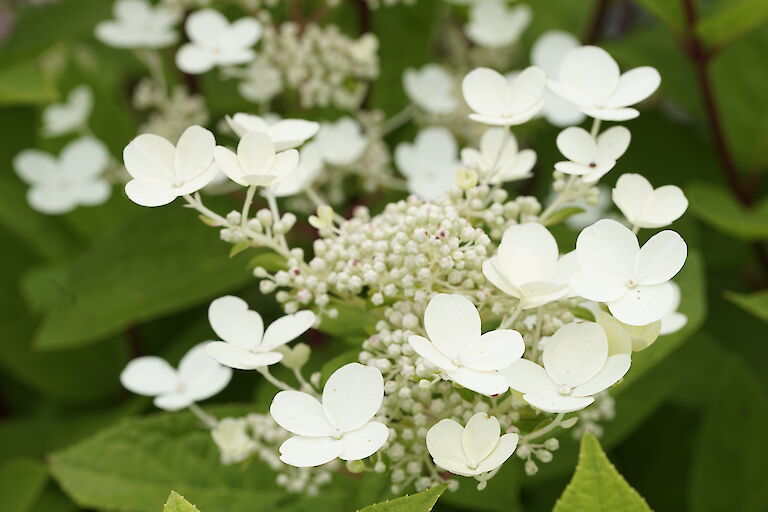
pixel 481 336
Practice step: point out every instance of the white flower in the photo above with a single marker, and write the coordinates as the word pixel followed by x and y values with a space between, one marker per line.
pixel 431 88
pixel 493 24
pixel 547 53
pixel 285 133
pixel 214 41
pixel 499 159
pixel 496 101
pixel 633 282
pixel 472 450
pixel 341 143
pixel 256 161
pixel 340 426
pixel 527 265
pixel 674 320
pixel 577 365
pixel 246 344
pixel 589 158
pixel 138 24
pixel 456 346
pixel 429 163
pixel 162 172
pixel 198 377
pixel 310 165
pixel 646 207
pixel 232 438
pixel 590 79
pixel 58 185
pixel 61 118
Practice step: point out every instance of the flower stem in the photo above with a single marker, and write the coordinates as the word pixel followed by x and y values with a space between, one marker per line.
pixel 208 420
pixel 247 205
pixel 539 433
pixel 264 371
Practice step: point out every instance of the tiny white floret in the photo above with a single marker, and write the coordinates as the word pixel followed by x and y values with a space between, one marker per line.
pixel 496 101
pixel 342 142
pixel 139 24
pixel 456 346
pixel 246 345
pixel 499 158
pixel 588 157
pixel 341 426
pixel 646 207
pixel 431 88
pixel 472 450
pixel 429 163
pixel 493 24
pixel 198 377
pixel 69 116
pixel 256 161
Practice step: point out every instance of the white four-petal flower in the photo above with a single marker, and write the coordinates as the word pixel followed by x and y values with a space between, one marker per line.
pixel 138 24
pixel 588 157
pixel 456 346
pixel 528 266
pixel 246 344
pixel 214 41
pixel 61 118
pixel 497 101
pixel 547 53
pixel 633 282
pixel 591 80
pixel 58 185
pixel 256 161
pixel 310 165
pixel 429 163
pixel 472 450
pixel 162 172
pixel 499 158
pixel 578 363
pixel 198 377
pixel 285 133
pixel 493 24
pixel 340 426
pixel 431 88
pixel 342 142
pixel 646 207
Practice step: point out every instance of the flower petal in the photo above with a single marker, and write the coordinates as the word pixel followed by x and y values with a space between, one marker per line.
pixel 664 206
pixel 576 353
pixel 598 287
pixel 307 452
pixel 607 248
pixel 352 396
pixel 613 143
pixel 256 153
pixel 194 59
pixel 35 166
pixel 149 376
pixel 234 323
pixel 201 374
pixel 527 89
pixel 503 451
pixel 452 323
pixel 487 92
pixel 300 413
pixel 240 358
pixel 591 71
pixel 495 350
pixel 150 192
pixel 84 158
pixel 286 329
pixel 643 305
pixel 577 145
pixel 290 133
pixel 194 152
pixel 634 86
pixel 630 194
pixel 486 383
pixel 528 377
pixel 661 258
pixel 480 437
pixel 364 442
pixel 206 26
pixel 615 368
pixel 554 403
pixel 427 350
pixel 150 157
pixel 445 442
pixel 173 401
pixel 227 160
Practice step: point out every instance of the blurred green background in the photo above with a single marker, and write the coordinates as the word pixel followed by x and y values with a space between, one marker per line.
pixel 84 292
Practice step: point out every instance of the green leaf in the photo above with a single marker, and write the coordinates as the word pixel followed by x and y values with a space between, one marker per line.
pixel 597 486
pixel 715 206
pixel 755 303
pixel 733 19
pixel 669 12
pixel 25 83
pixel 562 214
pixel 159 262
pixel 729 465
pixel 130 466
pixel 177 503
pixel 421 502
pixel 21 482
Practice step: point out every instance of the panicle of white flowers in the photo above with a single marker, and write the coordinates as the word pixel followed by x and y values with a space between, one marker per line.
pixel 325 66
